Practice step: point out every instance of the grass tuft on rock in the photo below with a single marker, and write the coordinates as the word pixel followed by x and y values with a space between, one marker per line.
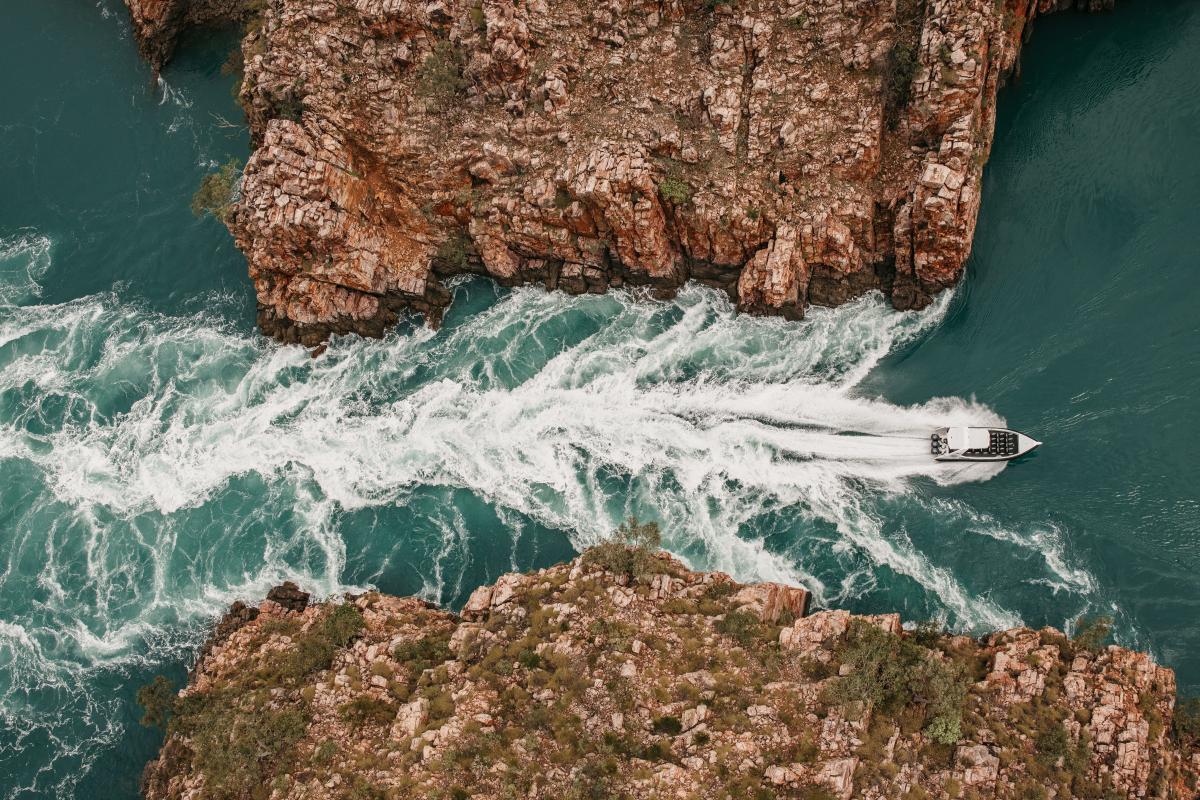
pixel 1186 724
pixel 440 78
pixel 674 188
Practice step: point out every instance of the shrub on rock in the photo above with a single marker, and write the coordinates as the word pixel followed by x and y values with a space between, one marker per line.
pixel 630 551
pixel 218 191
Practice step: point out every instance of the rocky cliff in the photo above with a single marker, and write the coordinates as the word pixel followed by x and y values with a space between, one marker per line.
pixel 791 152
pixel 619 677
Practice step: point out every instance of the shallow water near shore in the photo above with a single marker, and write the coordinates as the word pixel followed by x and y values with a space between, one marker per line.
pixel 159 459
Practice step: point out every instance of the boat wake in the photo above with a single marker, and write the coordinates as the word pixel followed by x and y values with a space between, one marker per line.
pixel 161 466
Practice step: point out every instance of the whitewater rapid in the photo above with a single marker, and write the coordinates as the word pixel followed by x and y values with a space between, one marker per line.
pixel 162 466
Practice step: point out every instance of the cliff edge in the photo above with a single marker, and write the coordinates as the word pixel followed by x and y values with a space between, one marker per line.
pixel 791 152
pixel 627 675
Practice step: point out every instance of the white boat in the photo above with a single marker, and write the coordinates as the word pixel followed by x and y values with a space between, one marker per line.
pixel 962 443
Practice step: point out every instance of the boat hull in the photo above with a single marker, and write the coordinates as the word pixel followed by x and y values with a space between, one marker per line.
pixel 1024 444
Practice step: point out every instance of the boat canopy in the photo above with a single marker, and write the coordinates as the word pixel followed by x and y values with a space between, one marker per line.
pixel 968 438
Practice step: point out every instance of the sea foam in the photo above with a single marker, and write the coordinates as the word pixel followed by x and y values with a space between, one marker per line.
pixel 163 466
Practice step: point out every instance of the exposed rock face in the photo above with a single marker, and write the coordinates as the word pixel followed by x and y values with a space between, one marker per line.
pixel 789 151
pixel 574 682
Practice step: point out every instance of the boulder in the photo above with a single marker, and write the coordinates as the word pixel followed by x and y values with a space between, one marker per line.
pixel 769 601
pixel 289 596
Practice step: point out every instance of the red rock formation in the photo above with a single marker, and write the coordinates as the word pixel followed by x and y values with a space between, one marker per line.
pixel 792 152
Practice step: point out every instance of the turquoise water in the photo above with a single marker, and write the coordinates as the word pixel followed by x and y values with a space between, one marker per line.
pixel 159 459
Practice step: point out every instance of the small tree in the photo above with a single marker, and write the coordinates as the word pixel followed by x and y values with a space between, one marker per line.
pixel 157 700
pixel 899 70
pixel 1186 725
pixel 630 551
pixel 218 191
pixel 892 673
pixel 1092 633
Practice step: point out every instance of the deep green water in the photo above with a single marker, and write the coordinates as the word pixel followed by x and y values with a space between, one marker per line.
pixel 159 459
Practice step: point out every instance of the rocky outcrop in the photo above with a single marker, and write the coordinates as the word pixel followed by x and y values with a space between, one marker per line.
pixel 791 152
pixel 577 682
pixel 288 596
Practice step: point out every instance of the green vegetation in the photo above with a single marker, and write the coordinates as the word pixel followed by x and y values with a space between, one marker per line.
pixel 218 191
pixel 718 590
pixel 440 78
pixel 1058 759
pixel 743 627
pixel 368 710
pixel 247 732
pixel 674 189
pixel 900 66
pixel 1051 744
pixel 235 65
pixel 816 792
pixel 668 725
pixel 1091 634
pixel 237 752
pixel 631 551
pixel 253 10
pixel 894 674
pixel 425 653
pixel 944 729
pixel 478 18
pixel 1186 725
pixel 325 752
pixel 899 70
pixel 244 732
pixel 315 651
pixel 157 700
